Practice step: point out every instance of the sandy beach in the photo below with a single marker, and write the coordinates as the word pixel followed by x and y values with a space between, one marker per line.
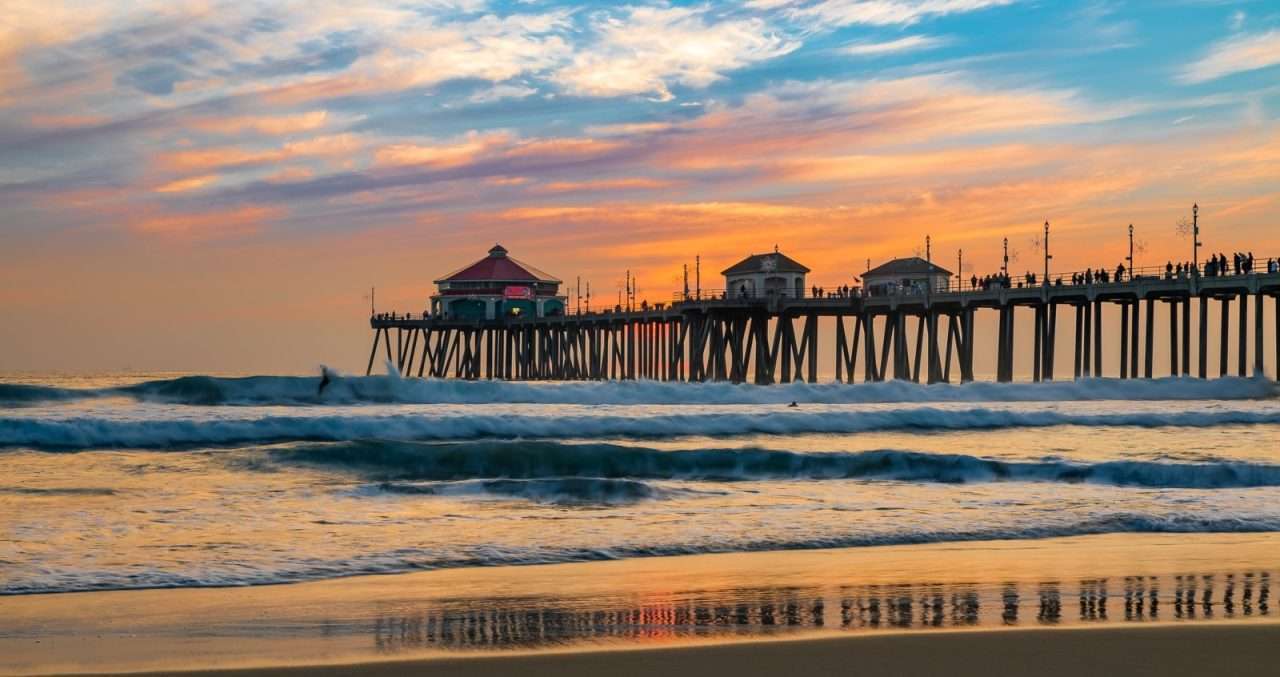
pixel 1240 650
pixel 1142 604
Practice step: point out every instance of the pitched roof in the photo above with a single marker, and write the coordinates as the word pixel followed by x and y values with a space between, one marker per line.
pixel 913 265
pixel 498 267
pixel 773 261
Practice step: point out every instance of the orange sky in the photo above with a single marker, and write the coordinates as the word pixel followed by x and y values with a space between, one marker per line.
pixel 225 203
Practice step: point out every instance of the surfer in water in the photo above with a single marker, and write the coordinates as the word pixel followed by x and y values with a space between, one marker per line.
pixel 793 404
pixel 324 381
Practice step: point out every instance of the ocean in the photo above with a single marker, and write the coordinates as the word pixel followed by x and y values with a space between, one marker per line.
pixel 160 481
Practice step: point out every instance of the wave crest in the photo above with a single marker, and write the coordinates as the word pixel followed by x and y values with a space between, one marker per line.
pixel 605 468
pixel 300 390
pixel 94 432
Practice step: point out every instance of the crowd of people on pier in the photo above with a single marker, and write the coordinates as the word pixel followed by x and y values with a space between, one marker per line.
pixel 1218 265
pixel 843 292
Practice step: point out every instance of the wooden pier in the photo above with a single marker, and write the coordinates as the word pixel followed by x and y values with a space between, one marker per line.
pixel 776 339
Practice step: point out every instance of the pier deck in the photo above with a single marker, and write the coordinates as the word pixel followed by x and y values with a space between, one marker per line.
pixel 775 339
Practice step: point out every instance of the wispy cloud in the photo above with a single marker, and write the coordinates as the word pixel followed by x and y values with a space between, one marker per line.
pixel 883 12
pixel 649 49
pixel 1236 54
pixel 910 43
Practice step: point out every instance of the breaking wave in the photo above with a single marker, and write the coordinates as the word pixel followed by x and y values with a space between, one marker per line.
pixel 299 390
pixel 601 470
pixel 72 433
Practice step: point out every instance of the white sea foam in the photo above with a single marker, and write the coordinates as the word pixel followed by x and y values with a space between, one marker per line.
pixel 292 390
pixel 84 432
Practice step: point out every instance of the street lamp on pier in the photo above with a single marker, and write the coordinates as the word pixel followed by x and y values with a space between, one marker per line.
pixel 1195 237
pixel 1130 258
pixel 1047 255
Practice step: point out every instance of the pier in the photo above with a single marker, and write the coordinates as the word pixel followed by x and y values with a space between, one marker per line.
pixel 772 338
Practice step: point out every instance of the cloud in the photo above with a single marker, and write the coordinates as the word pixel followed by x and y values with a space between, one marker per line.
pixel 450 154
pixel 184 185
pixel 1236 20
pixel 651 48
pixel 910 43
pixel 224 157
pixel 155 78
pixel 502 91
pixel 209 224
pixel 604 185
pixel 265 125
pixel 882 12
pixel 1236 54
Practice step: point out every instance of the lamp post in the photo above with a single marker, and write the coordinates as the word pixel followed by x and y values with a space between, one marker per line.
pixel 959 270
pixel 1195 237
pixel 1005 268
pixel 1047 255
pixel 1130 259
pixel 928 260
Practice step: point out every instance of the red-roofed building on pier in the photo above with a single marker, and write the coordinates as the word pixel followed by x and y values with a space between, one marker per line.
pixel 497 286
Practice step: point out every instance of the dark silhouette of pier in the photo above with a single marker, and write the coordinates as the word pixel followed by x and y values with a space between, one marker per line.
pixel 741 337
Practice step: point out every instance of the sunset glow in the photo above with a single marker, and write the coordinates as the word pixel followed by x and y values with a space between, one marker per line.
pixel 218 185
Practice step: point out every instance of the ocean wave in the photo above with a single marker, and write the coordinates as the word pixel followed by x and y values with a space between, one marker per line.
pixel 86 432
pixel 299 391
pixel 403 560
pixel 18 394
pixel 556 490
pixel 606 468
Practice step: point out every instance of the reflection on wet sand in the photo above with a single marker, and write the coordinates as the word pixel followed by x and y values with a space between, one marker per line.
pixel 530 623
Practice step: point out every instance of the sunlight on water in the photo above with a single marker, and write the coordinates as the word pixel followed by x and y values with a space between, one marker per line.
pixel 125 482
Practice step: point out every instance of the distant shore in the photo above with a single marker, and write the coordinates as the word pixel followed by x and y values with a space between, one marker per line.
pixel 1132 603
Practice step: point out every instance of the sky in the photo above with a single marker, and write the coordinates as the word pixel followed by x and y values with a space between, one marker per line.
pixel 216 186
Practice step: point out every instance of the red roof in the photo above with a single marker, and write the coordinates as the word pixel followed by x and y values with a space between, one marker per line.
pixel 498 267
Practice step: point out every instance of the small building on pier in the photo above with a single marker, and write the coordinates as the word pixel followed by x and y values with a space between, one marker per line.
pixel 912 275
pixel 764 275
pixel 497 286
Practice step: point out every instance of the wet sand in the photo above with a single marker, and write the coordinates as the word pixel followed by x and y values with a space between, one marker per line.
pixel 1142 604
pixel 1161 650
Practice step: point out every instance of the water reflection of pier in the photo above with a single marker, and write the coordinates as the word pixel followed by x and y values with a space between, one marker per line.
pixel 514 623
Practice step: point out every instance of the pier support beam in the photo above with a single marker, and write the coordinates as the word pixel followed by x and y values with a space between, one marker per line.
pixel 1259 349
pixel 1243 356
pixel 1037 351
pixel 1186 336
pixel 1136 310
pixel 1173 338
pixel 1149 361
pixel 1224 337
pixel 966 350
pixel 1086 363
pixel 1097 338
pixel 1051 342
pixel 1204 337
pixel 1124 339
pixel 1078 346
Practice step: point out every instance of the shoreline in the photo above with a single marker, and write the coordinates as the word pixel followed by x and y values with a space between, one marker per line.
pixel 1117 582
